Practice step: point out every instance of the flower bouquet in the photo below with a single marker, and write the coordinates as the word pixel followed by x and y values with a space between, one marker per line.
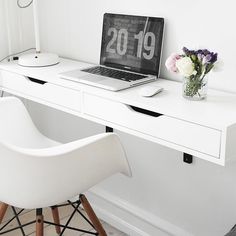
pixel 193 66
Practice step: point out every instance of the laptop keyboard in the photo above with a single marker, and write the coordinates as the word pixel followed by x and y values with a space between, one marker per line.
pixel 115 74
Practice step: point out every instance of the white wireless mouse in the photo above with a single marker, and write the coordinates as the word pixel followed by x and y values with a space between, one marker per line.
pixel 150 90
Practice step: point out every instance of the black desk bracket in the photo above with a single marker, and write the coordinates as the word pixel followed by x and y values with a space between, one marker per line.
pixel 187 158
pixel 109 129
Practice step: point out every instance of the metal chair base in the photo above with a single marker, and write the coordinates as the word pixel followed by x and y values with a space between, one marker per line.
pixel 39 215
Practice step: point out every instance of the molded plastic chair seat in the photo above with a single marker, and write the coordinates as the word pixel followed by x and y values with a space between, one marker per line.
pixel 37 172
pixel 17 127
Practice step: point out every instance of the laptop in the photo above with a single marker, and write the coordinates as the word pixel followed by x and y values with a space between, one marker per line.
pixel 130 53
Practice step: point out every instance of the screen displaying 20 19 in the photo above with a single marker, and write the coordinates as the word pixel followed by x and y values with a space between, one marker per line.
pixel 132 42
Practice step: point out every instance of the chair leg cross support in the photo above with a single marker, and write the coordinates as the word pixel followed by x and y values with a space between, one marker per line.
pixel 20 226
pixel 18 221
pixel 93 221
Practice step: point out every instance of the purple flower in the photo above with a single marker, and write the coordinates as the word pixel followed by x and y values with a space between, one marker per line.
pixel 188 52
pixel 207 58
pixel 202 60
pixel 200 56
pixel 205 51
pixel 213 57
pixel 199 51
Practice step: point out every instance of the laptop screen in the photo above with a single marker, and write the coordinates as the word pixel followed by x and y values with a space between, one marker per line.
pixel 132 43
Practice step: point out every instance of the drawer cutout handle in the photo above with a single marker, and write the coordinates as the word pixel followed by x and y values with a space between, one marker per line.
pixel 146 112
pixel 38 81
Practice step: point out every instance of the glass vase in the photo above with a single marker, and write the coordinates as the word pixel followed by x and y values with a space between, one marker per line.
pixel 195 88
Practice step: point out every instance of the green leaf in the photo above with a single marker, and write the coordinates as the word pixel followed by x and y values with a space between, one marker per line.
pixel 208 68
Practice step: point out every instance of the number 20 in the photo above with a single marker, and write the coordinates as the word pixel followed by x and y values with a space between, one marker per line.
pixel 122 33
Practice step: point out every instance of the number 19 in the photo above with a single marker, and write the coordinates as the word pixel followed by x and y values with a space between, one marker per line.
pixel 143 41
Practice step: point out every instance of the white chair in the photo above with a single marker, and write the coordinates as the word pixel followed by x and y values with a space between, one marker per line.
pixel 37 172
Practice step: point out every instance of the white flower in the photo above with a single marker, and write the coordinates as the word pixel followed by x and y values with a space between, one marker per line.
pixel 185 66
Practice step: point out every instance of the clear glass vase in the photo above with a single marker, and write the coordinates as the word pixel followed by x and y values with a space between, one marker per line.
pixel 195 88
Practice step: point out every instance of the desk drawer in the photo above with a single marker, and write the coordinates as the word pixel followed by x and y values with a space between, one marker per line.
pixel 186 134
pixel 39 89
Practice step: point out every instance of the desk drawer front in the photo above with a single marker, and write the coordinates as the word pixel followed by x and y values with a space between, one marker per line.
pixel 48 92
pixel 186 134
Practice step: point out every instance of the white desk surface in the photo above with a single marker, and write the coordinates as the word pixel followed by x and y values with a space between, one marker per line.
pixel 217 111
pixel 206 129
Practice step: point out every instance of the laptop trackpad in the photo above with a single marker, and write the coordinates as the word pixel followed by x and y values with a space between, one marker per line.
pixel 93 78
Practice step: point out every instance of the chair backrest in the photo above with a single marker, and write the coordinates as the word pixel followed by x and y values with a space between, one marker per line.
pixel 34 177
pixel 16 125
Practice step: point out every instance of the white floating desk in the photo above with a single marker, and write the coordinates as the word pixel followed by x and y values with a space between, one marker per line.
pixel 205 129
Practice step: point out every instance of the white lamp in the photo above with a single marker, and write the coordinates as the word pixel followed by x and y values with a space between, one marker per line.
pixel 38 59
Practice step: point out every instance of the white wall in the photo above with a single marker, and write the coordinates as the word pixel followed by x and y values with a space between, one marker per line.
pixel 15 28
pixel 73 28
pixel 199 199
pixel 3 31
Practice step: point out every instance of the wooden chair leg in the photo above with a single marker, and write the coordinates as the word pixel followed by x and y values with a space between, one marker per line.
pixel 56 218
pixel 39 222
pixel 3 209
pixel 92 216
